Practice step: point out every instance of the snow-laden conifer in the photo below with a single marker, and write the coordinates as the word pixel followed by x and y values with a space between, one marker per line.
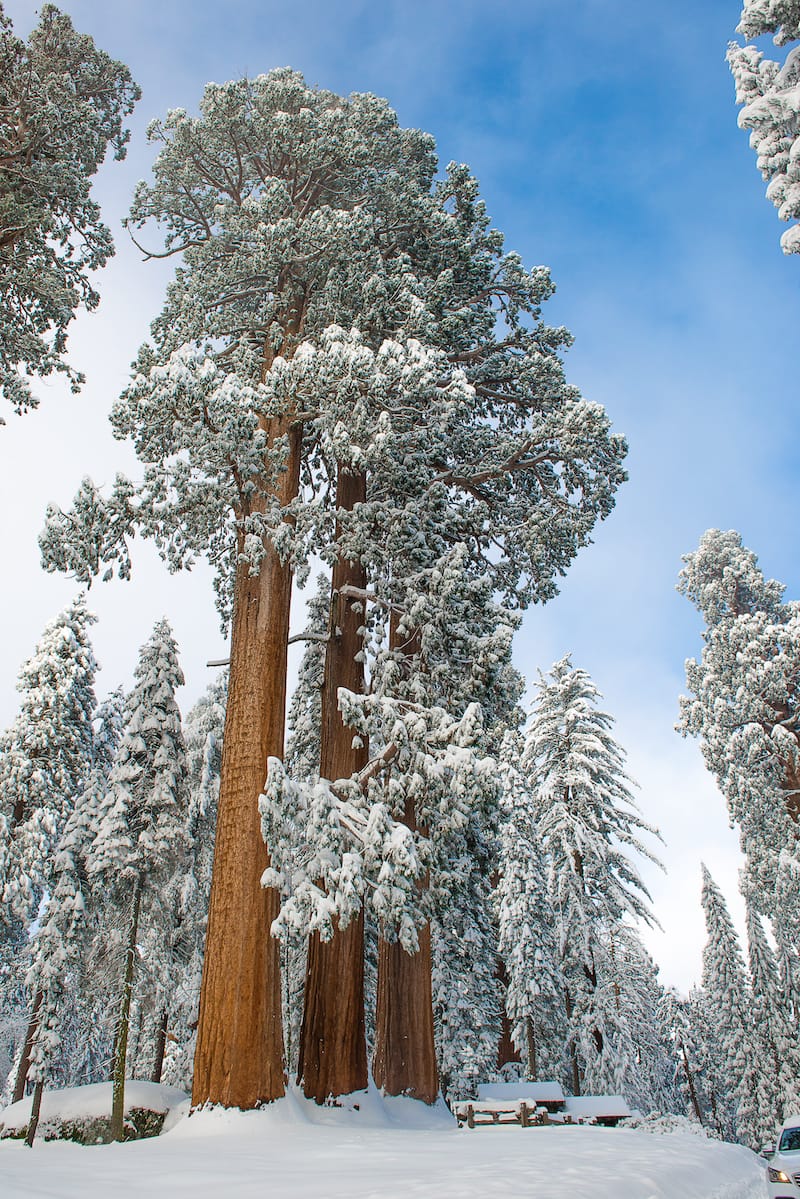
pixel 45 758
pixel 63 105
pixel 769 92
pixel 648 1077
pixel 141 836
pixel 775 1067
pixel 529 934
pixel 588 823
pixel 726 987
pixel 675 1021
pixel 743 707
pixel 203 733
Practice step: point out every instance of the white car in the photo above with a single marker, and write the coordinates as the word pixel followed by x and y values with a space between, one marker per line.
pixel 783 1169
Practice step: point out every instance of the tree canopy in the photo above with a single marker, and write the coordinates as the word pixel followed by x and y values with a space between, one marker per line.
pixel 63 103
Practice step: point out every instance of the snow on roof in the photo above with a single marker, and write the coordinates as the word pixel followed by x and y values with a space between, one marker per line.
pixel 597 1105
pixel 74 1103
pixel 537 1092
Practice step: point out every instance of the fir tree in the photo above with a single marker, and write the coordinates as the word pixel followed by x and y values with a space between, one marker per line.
pixel 529 938
pixel 45 758
pixel 141 835
pixel 63 104
pixel 775 1067
pixel 726 988
pixel 587 822
pixel 203 733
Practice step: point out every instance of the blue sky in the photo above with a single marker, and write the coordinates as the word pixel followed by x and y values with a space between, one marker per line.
pixel 604 135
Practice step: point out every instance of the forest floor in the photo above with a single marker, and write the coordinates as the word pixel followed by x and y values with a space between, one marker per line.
pixel 384 1150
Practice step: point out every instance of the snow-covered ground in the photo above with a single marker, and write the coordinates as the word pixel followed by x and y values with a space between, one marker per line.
pixel 384 1150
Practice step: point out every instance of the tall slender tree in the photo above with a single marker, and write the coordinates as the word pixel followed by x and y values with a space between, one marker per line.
pixel 775 1066
pixel 726 987
pixel 46 757
pixel 141 833
pixel 588 823
pixel 529 937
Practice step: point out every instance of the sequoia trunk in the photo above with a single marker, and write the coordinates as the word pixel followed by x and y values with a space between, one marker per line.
pixel 404 1061
pixel 239 1056
pixel 333 1050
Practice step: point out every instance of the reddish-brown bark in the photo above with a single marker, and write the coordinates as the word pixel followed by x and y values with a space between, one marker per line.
pixel 239 1056
pixel 404 1061
pixel 333 1052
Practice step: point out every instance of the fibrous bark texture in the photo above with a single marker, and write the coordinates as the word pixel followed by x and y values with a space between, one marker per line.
pixel 405 1053
pixel 239 1056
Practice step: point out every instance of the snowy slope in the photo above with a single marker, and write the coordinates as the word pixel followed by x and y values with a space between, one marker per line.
pixel 384 1151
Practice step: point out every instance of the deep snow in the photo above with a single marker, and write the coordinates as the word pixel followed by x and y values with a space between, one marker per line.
pixel 386 1150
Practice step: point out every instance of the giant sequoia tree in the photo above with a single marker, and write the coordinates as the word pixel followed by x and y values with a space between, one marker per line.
pixel 63 102
pixel 349 362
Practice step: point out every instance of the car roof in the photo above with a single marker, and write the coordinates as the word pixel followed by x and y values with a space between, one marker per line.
pixel 791 1121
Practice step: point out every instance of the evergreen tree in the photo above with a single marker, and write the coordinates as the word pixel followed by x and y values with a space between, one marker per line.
pixel 408 359
pixel 743 706
pixel 141 834
pixel 708 1066
pixel 725 985
pixel 63 104
pixel 648 1077
pixel 587 821
pixel 529 935
pixel 767 90
pixel 305 709
pixel 775 1067
pixel 203 733
pixel 45 759
pixel 676 1022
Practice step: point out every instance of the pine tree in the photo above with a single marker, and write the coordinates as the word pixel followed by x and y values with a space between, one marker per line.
pixel 587 820
pixel 725 985
pixel 767 90
pixel 141 834
pixel 63 104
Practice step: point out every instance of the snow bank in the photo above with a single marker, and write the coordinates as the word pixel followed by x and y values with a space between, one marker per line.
pixel 72 1107
pixel 392 1149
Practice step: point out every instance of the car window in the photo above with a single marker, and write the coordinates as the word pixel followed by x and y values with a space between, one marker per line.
pixel 790 1140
